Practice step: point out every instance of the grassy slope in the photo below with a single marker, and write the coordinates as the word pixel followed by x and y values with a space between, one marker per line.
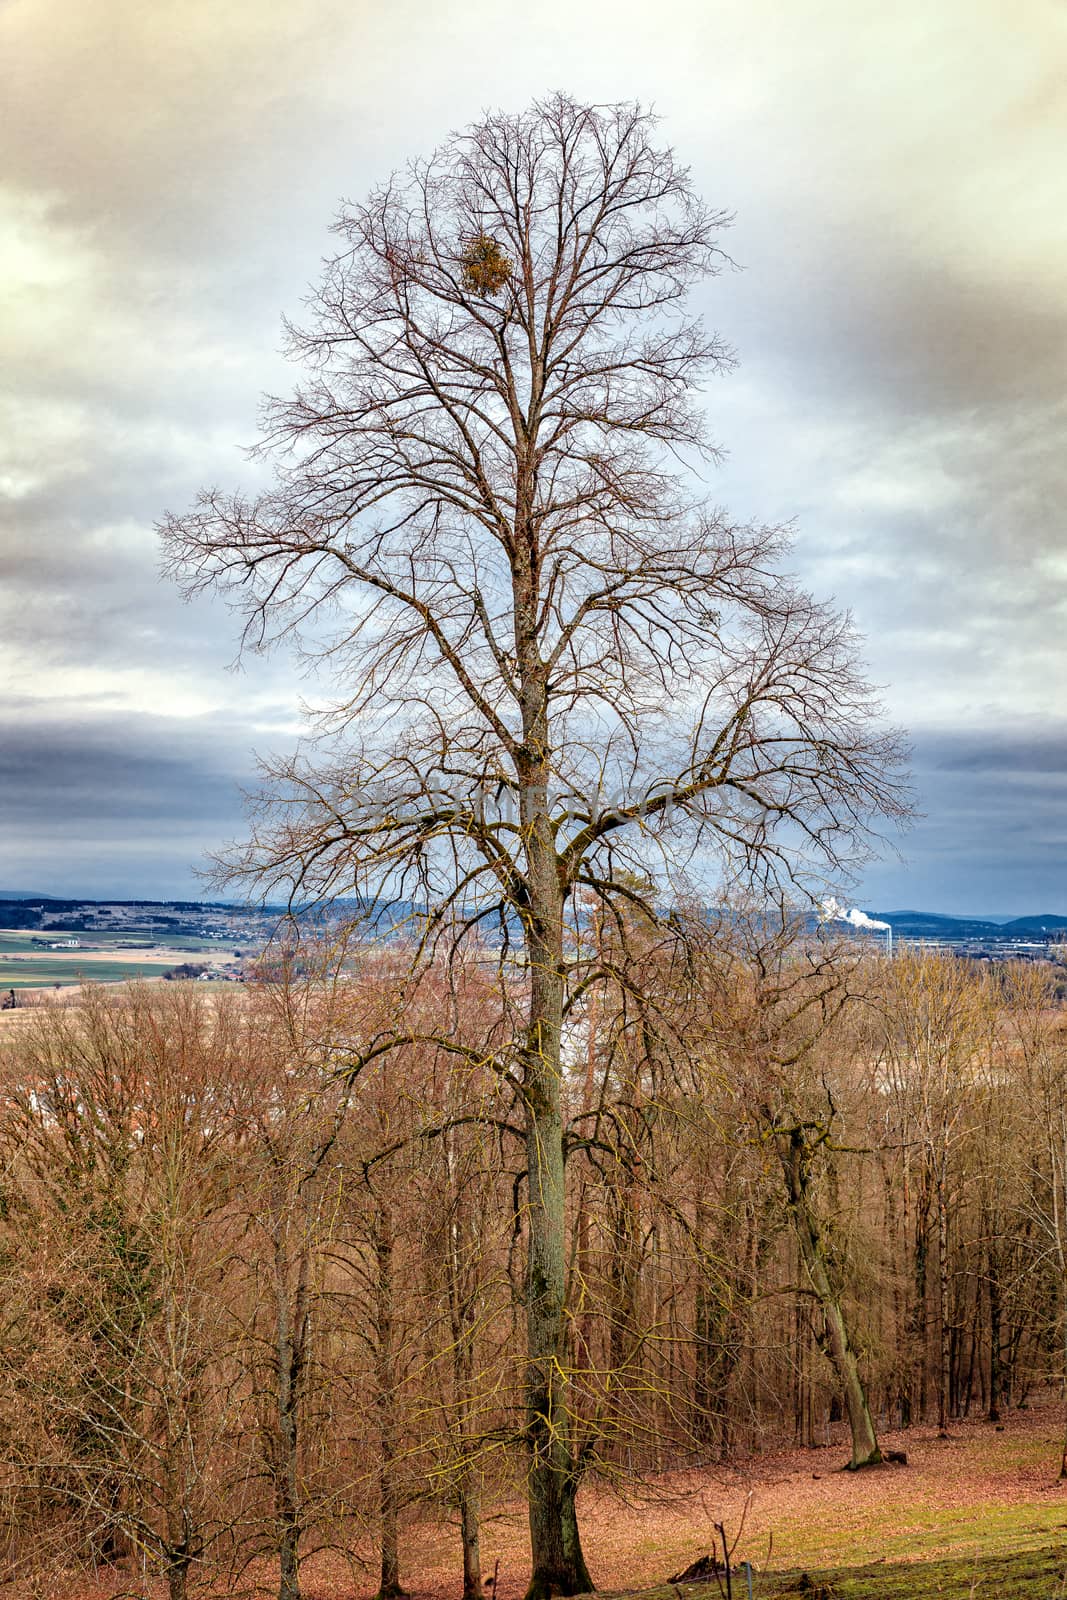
pixel 913 1551
pixel 1025 1575
pixel 981 1515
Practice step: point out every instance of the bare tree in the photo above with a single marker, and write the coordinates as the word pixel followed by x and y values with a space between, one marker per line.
pixel 553 657
pixel 292 1109
pixel 929 1058
pixel 468 1288
pixel 774 999
pixel 1039 1039
pixel 120 1169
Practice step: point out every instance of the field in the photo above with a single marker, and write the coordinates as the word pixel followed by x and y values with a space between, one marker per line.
pixel 101 958
pixel 52 973
pixel 981 1516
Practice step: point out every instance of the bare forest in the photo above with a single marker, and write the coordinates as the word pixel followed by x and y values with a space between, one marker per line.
pixel 264 1292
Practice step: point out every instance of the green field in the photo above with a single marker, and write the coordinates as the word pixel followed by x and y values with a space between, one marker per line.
pixel 18 940
pixel 52 972
pixel 101 959
pixel 1037 1574
pixel 903 1545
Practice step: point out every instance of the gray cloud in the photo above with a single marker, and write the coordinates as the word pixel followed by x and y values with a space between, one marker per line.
pixel 902 321
pixel 993 839
pixel 1004 753
pixel 118 804
pixel 119 774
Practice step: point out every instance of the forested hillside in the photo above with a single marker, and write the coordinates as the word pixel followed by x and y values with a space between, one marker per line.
pixel 263 1279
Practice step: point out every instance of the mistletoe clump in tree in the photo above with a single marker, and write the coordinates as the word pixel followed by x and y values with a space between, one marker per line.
pixel 553 657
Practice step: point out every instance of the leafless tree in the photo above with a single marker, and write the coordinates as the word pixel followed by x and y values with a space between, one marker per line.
pixel 774 997
pixel 114 1377
pixel 291 1110
pixel 554 658
pixel 930 1058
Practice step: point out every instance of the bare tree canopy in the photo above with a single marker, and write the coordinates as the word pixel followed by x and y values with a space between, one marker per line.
pixel 485 484
pixel 554 657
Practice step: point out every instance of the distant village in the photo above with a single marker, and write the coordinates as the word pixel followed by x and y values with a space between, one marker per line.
pixel 137 924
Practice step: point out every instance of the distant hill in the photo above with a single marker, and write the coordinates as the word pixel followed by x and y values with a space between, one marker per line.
pixel 1022 926
pixel 932 925
pixel 20 908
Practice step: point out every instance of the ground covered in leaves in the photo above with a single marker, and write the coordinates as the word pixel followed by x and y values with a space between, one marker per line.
pixel 980 1514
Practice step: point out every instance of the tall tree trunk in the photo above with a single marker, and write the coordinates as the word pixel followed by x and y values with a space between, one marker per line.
pixel 834 1340
pixel 717 1339
pixel 624 1268
pixel 558 1565
pixel 704 1419
pixel 945 1344
pixel 919 1320
pixel 470 1537
pixel 178 1578
pixel 964 1390
pixel 801 1340
pixel 289 1338
pixel 898 1389
pixel 994 1333
pixel 385 1376
pixel 462 1300
pixel 176 1548
pixel 289 1562
pixel 572 1543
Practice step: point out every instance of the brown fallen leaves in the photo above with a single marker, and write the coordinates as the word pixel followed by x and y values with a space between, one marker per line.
pixel 802 1517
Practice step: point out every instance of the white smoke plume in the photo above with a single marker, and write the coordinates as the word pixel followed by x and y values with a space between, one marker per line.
pixel 832 911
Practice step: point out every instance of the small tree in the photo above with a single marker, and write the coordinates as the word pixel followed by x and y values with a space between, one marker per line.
pixel 553 657
pixel 114 1365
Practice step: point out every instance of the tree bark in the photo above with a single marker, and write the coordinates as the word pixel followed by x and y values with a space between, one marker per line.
pixel 388 1498
pixel 945 1344
pixel 834 1340
pixel 176 1550
pixel 919 1321
pixel 470 1537
pixel 289 1339
pixel 462 1296
pixel 178 1579
pixel 557 1562
pixel 993 1414
pixel 717 1339
pixel 624 1273
pixel 558 1565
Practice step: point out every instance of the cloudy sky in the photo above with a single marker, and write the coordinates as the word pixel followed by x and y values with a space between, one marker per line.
pixel 898 175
